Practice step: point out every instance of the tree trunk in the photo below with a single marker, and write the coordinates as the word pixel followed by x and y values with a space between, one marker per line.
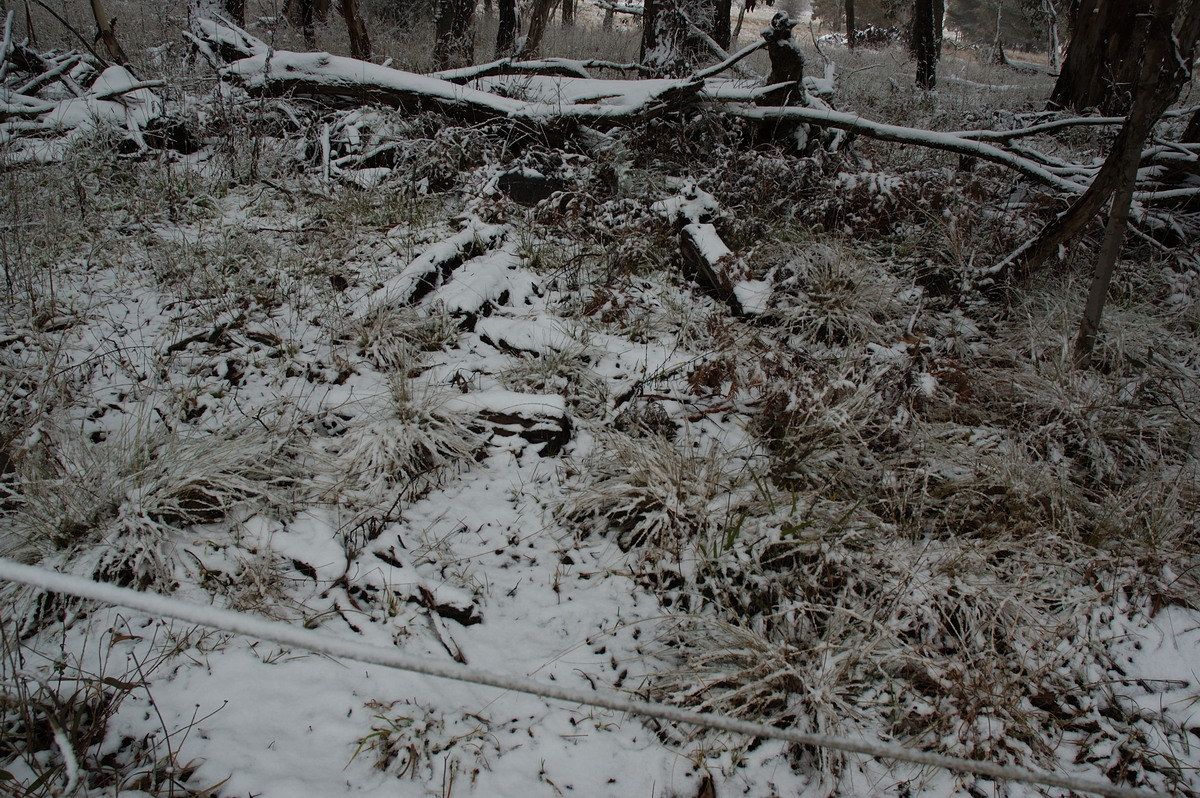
pixel 1052 43
pixel 1191 134
pixel 360 43
pixel 455 45
pixel 104 32
pixel 850 30
pixel 650 9
pixel 568 13
pixel 720 23
pixel 1162 63
pixel 926 37
pixel 305 14
pixel 538 19
pixel 236 11
pixel 506 33
pixel 1101 66
pixel 670 42
pixel 1162 73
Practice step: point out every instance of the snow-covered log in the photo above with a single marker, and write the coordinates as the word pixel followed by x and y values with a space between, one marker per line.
pixel 716 268
pixel 431 268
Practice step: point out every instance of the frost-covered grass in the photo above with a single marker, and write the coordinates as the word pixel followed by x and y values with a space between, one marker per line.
pixel 888 506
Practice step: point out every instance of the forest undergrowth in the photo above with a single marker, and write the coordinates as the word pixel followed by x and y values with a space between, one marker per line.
pixel 887 504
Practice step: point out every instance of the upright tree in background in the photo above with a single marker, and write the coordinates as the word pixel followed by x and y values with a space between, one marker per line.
pixel 1165 40
pixel 360 43
pixel 506 32
pixel 539 17
pixel 455 44
pixel 927 40
pixel 850 29
pixel 1102 65
pixel 1162 40
pixel 305 13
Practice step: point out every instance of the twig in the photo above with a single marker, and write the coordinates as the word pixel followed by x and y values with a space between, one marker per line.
pixel 51 75
pixel 74 32
pixel 729 61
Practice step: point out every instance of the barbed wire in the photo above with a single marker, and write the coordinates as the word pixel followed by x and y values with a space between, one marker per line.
pixel 321 643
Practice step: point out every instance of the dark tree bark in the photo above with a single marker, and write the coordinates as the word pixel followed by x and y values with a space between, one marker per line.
pixel 506 33
pixel 673 32
pixel 720 23
pixel 1162 63
pixel 1167 53
pixel 539 17
pixel 1101 66
pixel 305 14
pixel 926 41
pixel 360 43
pixel 568 13
pixel 1191 134
pixel 236 11
pixel 650 9
pixel 455 45
pixel 850 31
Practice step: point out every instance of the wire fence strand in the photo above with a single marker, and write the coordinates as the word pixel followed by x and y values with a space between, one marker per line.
pixel 286 634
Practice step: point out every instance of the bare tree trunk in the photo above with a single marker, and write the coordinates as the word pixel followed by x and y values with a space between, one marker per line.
pixel 104 32
pixel 1053 45
pixel 236 11
pixel 1163 63
pixel 305 14
pixel 1106 262
pixel 506 33
pixel 539 17
pixel 926 35
pixel 568 13
pixel 360 43
pixel 1191 134
pixel 787 62
pixel 455 45
pixel 850 30
pixel 674 32
pixel 1163 71
pixel 650 10
pixel 720 23
pixel 1101 67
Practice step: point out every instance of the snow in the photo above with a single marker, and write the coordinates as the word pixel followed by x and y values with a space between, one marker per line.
pixel 475 558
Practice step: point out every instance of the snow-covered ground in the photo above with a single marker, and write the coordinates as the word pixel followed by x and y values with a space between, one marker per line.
pixel 391 403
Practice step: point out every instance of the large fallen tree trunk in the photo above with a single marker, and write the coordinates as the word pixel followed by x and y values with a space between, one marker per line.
pixel 553 101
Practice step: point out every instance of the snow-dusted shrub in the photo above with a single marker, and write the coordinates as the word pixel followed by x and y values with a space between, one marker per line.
pixel 113 511
pixel 393 338
pixel 402 442
pixel 987 652
pixel 877 203
pixel 57 707
pixel 821 428
pixel 423 744
pixel 825 294
pixel 561 372
pixel 652 494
